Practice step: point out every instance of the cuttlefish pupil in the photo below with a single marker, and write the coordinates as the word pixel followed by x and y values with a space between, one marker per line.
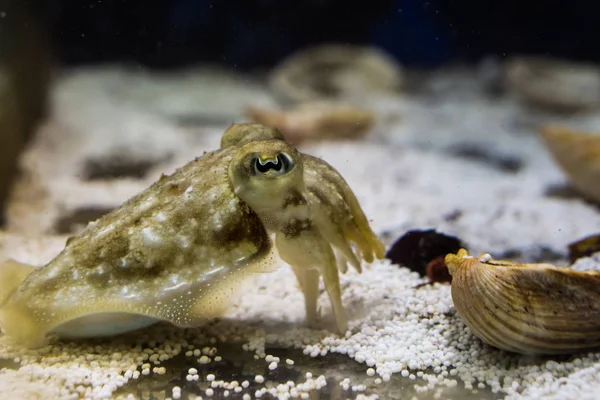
pixel 279 163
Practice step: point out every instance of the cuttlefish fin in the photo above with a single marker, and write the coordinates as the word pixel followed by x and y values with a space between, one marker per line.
pixel 14 320
pixel 12 273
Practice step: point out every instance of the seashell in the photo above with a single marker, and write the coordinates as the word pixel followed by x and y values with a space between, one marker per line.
pixel 585 247
pixel 330 71
pixel 578 154
pixel 554 84
pixel 526 308
pixel 316 121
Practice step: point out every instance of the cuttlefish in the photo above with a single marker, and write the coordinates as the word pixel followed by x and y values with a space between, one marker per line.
pixel 177 251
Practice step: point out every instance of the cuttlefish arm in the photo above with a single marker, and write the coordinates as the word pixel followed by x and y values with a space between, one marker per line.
pixel 336 222
pixel 338 213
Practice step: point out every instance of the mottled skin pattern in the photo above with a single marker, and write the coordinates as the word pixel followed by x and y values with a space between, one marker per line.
pixel 176 251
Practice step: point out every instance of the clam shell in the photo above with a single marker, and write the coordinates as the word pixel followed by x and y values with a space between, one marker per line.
pixel 554 84
pixel 316 121
pixel 526 308
pixel 578 154
pixel 334 72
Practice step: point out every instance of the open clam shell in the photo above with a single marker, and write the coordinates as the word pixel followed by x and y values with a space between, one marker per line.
pixel 578 154
pixel 526 308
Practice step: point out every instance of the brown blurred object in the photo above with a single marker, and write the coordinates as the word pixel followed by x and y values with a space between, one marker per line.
pixel 554 84
pixel 311 122
pixel 335 72
pixel 437 270
pixel 422 250
pixel 578 154
pixel 584 248
pixel 24 81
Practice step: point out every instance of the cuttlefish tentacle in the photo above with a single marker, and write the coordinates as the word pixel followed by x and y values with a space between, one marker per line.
pixel 308 280
pixel 308 252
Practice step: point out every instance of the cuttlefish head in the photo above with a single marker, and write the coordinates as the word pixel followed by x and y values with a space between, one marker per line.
pixel 310 209
pixel 238 134
pixel 269 176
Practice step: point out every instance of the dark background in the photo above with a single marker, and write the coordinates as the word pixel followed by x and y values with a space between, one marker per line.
pixel 258 33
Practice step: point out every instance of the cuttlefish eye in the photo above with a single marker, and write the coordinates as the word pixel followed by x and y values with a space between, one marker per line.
pixel 277 165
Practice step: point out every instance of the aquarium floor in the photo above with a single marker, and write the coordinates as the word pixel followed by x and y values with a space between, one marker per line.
pixel 450 156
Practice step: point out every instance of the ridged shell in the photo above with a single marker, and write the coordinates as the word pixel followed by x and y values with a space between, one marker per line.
pixel 526 308
pixel 578 154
